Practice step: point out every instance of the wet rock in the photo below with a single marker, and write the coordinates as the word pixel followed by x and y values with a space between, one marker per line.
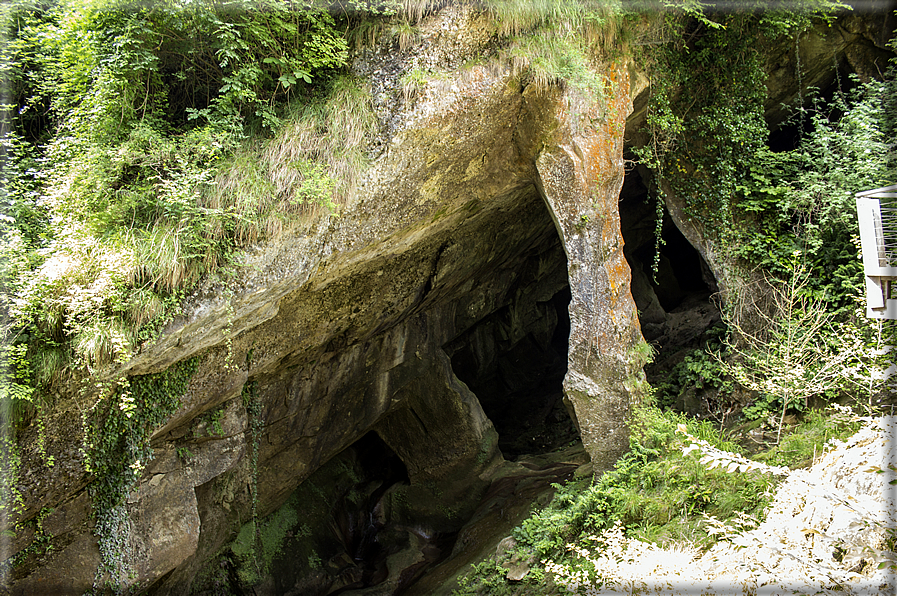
pixel 517 566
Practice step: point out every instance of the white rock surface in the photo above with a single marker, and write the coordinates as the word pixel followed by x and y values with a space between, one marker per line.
pixel 840 506
pixel 824 534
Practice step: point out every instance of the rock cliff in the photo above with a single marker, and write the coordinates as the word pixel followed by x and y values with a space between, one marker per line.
pixel 489 214
pixel 366 364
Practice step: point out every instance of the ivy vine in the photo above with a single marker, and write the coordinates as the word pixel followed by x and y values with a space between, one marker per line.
pixel 253 405
pixel 118 449
pixel 709 144
pixel 705 115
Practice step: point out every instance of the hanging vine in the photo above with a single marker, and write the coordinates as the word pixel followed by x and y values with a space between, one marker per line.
pixel 118 449
pixel 708 144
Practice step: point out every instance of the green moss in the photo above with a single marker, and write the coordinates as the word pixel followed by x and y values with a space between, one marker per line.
pixel 257 545
pixel 487 448
pixel 296 535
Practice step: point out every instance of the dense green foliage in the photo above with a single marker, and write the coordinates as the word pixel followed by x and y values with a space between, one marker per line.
pixel 710 147
pixel 141 152
pixel 802 199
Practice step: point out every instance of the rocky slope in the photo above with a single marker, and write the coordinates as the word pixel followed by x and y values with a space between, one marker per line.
pixel 826 532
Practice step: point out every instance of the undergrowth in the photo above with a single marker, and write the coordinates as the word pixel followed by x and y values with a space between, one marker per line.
pixel 655 494
pixel 144 148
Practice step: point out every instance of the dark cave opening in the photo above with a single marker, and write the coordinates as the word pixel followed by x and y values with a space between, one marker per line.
pixel 515 359
pixel 341 533
pixel 788 134
pixel 355 520
pixel 675 304
pixel 682 276
pixel 358 524
pixel 519 384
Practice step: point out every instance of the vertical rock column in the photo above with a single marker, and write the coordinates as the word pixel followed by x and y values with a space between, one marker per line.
pixel 579 163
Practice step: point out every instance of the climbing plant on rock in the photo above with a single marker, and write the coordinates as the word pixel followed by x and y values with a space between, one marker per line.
pixel 708 136
pixel 118 448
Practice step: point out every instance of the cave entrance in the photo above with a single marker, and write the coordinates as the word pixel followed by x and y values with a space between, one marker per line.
pixel 520 384
pixel 515 359
pixel 336 528
pixel 675 305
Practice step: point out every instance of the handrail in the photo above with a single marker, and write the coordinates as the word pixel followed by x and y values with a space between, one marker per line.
pixel 877 215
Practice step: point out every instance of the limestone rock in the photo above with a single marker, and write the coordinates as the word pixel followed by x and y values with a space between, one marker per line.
pixel 487 194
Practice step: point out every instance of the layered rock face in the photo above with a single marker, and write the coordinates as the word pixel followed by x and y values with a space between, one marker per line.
pixel 487 221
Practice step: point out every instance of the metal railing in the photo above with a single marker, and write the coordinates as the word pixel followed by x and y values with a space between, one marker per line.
pixel 877 215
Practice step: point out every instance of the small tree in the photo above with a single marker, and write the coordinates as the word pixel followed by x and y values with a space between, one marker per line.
pixel 787 355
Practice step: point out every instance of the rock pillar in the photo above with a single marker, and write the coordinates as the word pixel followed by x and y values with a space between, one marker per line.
pixel 579 163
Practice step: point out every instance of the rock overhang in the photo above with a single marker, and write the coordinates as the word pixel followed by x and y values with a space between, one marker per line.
pixel 340 324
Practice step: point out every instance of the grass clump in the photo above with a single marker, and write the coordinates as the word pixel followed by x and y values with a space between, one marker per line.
pixel 557 42
pixel 660 500
pixel 566 16
pixel 655 493
pixel 806 442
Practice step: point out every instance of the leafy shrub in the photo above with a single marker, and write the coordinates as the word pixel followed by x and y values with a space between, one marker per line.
pixel 701 369
pixel 802 199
